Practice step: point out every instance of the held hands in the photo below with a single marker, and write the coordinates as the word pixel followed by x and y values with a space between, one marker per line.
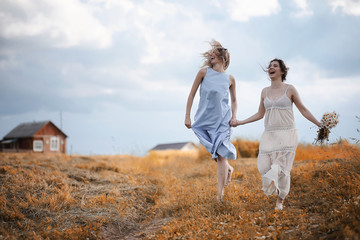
pixel 234 122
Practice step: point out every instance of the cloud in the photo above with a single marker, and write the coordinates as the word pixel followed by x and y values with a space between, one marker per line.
pixel 166 34
pixel 163 30
pixel 128 65
pixel 317 83
pixel 304 10
pixel 243 10
pixel 350 7
pixel 57 23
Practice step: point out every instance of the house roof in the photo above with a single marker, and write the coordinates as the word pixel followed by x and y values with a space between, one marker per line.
pixel 26 129
pixel 167 146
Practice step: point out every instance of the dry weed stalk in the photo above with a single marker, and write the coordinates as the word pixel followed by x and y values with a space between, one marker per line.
pixel 172 196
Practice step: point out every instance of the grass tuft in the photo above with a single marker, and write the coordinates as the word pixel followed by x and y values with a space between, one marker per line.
pixel 172 195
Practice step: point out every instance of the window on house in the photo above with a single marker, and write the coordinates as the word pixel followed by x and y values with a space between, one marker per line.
pixel 54 144
pixel 38 146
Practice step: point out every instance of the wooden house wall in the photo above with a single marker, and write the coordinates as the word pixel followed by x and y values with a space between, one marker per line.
pixel 26 144
pixel 9 147
pixel 22 145
pixel 48 131
pixel 47 142
pixel 45 133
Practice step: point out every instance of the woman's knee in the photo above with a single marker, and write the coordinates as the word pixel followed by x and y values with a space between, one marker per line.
pixel 220 158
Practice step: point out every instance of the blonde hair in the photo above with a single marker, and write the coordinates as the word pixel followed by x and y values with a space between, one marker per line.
pixel 220 51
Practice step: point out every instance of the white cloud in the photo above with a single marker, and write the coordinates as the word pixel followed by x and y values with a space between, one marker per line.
pixel 85 82
pixel 163 30
pixel 167 33
pixel 216 3
pixel 350 7
pixel 315 82
pixel 58 22
pixel 243 10
pixel 128 83
pixel 304 10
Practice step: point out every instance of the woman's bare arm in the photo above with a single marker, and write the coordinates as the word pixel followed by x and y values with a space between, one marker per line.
pixel 295 97
pixel 233 100
pixel 199 77
pixel 257 116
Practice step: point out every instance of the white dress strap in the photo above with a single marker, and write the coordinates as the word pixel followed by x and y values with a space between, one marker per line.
pixel 266 91
pixel 287 89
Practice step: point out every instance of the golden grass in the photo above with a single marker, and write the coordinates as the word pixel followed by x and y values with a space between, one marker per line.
pixel 172 196
pixel 340 150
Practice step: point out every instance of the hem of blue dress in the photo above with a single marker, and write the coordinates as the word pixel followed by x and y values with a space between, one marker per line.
pixel 223 146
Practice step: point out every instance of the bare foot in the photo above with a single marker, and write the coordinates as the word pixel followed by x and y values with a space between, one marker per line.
pixel 279 204
pixel 220 198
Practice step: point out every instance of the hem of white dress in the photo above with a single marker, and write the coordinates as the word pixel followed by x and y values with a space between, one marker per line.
pixel 270 184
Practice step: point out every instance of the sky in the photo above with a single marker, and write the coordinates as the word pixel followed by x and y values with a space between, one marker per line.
pixel 115 75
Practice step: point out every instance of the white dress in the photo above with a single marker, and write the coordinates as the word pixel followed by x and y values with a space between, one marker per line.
pixel 277 146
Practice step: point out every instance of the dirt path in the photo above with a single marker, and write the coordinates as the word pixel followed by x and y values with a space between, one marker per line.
pixel 135 231
pixel 321 205
pixel 146 228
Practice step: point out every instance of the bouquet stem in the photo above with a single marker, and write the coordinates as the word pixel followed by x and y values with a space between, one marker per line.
pixel 323 134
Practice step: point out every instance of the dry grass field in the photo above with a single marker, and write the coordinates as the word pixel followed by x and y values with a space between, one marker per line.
pixel 172 196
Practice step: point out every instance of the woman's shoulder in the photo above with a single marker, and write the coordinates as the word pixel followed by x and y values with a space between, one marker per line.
pixel 263 92
pixel 203 70
pixel 291 91
pixel 290 87
pixel 264 89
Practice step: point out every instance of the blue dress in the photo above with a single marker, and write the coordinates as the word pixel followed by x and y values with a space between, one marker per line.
pixel 212 119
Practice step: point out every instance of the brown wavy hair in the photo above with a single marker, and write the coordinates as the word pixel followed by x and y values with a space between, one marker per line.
pixel 283 68
pixel 220 51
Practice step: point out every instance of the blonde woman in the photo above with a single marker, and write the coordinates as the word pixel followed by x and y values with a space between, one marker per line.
pixel 214 114
pixel 279 140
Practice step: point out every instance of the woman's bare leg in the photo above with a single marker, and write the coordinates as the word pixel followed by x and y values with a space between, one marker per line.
pixel 222 173
pixel 229 173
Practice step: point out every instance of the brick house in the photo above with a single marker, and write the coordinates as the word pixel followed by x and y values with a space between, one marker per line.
pixel 43 137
